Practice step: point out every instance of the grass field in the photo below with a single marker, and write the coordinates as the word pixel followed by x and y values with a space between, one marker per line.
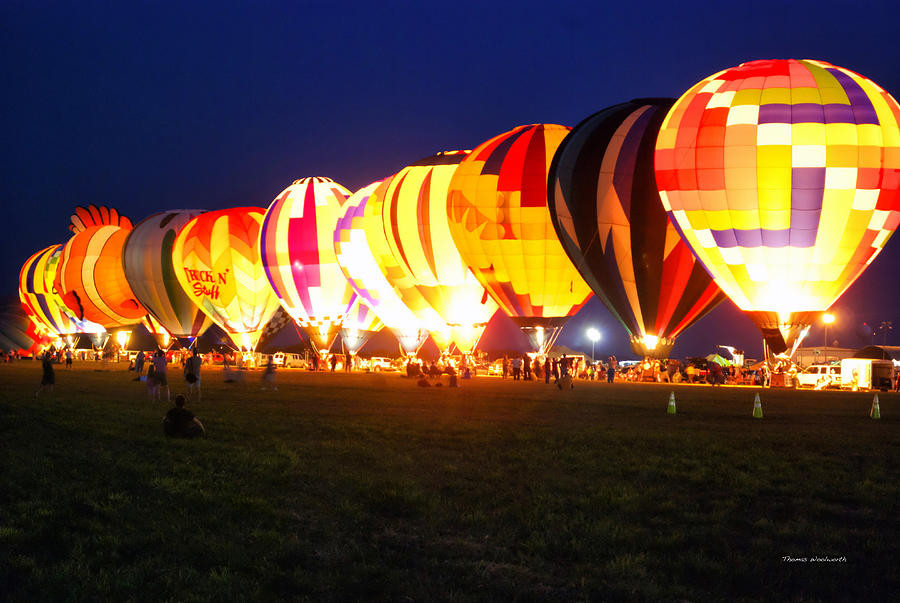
pixel 365 487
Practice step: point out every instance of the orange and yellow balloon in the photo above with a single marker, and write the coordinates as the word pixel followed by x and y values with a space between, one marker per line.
pixel 90 277
pixel 784 178
pixel 217 263
pixel 39 297
pixel 424 265
pixel 501 225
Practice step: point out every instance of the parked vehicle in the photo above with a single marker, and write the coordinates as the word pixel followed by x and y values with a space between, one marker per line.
pixel 865 373
pixel 378 364
pixel 288 360
pixel 820 376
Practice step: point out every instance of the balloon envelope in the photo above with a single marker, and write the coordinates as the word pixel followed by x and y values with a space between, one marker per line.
pixel 783 177
pixel 606 210
pixel 147 260
pixel 499 220
pixel 217 263
pixel 90 277
pixel 363 254
pixel 297 247
pixel 39 297
pixel 425 267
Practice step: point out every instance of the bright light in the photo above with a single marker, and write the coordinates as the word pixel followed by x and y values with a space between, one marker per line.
pixel 246 342
pixel 650 341
pixel 593 334
pixel 828 318
pixel 122 338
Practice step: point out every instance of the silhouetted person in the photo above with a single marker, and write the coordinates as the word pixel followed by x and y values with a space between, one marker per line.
pixel 160 366
pixel 48 377
pixel 192 373
pixel 179 422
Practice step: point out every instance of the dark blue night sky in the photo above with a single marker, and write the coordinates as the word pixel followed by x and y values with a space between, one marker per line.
pixel 146 106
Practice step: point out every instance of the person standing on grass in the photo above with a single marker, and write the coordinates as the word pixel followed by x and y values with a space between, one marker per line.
pixel 333 362
pixel 611 370
pixel 179 422
pixel 516 368
pixel 48 378
pixel 192 374
pixel 268 378
pixel 68 358
pixel 526 367
pixel 160 366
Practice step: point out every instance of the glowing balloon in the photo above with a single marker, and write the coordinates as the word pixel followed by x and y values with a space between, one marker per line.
pixel 359 324
pixel 297 246
pixel 147 259
pixel 90 276
pixel 217 263
pixel 607 213
pixel 362 249
pixel 500 222
pixel 783 177
pixel 424 266
pixel 39 297
pixel 18 333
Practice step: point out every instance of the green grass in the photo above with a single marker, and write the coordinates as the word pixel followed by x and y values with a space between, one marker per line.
pixel 366 487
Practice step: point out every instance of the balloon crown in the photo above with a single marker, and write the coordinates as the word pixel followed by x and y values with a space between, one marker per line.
pixel 312 179
pixel 86 217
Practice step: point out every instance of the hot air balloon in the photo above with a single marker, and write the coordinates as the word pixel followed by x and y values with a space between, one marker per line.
pixel 606 210
pixel 500 222
pixel 18 333
pixel 783 177
pixel 217 263
pixel 39 297
pixel 361 249
pixel 148 264
pixel 297 247
pixel 90 277
pixel 359 324
pixel 424 265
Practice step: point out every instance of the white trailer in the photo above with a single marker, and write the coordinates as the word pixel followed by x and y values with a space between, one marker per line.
pixel 866 373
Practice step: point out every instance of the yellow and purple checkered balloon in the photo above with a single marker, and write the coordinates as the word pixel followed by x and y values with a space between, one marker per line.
pixel 783 177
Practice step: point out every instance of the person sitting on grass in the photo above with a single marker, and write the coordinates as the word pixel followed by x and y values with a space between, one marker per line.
pixel 48 378
pixel 179 422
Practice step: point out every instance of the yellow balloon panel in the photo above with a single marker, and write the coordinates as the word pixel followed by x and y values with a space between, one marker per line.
pixel 217 263
pixel 499 220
